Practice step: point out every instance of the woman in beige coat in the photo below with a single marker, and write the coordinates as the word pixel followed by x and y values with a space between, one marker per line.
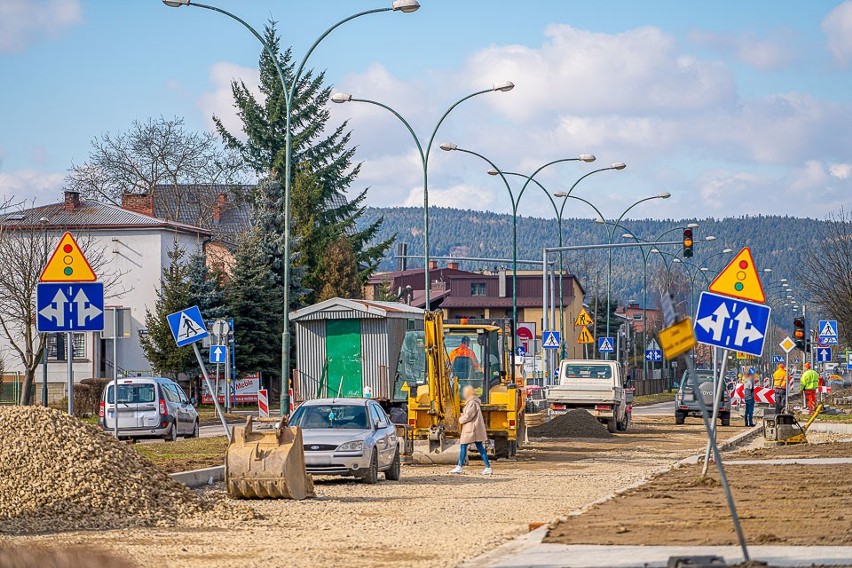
pixel 472 430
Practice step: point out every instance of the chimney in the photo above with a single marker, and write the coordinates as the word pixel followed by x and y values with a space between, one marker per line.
pixel 72 200
pixel 453 265
pixel 433 265
pixel 139 203
pixel 219 207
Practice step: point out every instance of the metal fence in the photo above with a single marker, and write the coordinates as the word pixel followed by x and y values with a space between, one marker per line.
pixel 10 388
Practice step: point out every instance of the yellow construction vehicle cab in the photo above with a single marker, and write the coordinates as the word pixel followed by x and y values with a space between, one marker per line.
pixel 461 353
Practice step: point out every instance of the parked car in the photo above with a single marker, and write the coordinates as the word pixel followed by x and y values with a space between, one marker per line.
pixel 352 437
pixel 148 407
pixel 686 403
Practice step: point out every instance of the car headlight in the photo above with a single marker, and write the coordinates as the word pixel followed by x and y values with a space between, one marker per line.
pixel 354 446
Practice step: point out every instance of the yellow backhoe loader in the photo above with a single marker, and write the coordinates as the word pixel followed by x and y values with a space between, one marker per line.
pixel 266 460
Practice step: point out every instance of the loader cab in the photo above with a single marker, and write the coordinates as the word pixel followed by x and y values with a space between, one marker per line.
pixel 476 356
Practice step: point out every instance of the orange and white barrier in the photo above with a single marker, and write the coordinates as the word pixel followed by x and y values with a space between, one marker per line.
pixel 263 403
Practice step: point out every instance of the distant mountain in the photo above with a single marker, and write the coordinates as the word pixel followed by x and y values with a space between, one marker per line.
pixel 777 243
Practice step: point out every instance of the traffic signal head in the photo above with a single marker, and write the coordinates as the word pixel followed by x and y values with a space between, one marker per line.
pixel 687 243
pixel 799 333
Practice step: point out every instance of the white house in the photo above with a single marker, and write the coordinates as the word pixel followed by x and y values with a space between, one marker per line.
pixel 133 251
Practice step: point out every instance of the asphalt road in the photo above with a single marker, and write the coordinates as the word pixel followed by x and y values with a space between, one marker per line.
pixel 659 409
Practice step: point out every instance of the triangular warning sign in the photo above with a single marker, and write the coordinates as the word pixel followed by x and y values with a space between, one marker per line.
pixel 583 319
pixel 740 279
pixel 67 263
pixel 585 337
pixel 550 340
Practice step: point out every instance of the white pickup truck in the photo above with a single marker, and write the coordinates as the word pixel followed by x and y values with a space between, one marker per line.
pixel 596 386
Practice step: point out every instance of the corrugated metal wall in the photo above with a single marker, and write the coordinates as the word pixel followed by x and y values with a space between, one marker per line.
pixel 374 353
pixel 310 356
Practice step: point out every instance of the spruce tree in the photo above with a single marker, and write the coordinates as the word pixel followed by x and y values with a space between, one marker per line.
pixel 205 287
pixel 324 170
pixel 339 271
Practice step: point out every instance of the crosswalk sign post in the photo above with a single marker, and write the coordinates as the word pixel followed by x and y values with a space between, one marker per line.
pixel 550 340
pixel 606 344
pixel 188 328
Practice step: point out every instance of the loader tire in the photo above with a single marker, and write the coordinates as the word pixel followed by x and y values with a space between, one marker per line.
pixel 501 448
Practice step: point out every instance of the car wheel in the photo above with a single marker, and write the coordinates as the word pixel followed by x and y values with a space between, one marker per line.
pixel 195 431
pixel 171 435
pixel 393 474
pixel 372 475
pixel 680 418
pixel 624 424
pixel 612 425
pixel 726 420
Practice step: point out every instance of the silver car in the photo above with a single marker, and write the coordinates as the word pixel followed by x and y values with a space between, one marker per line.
pixel 148 407
pixel 352 436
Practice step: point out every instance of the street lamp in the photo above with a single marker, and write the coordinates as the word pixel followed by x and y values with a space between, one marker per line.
pixel 403 6
pixel 424 153
pixel 43 221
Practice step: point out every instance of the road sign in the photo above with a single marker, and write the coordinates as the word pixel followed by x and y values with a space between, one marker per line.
pixel 654 355
pixel 739 279
pixel 585 337
pixel 677 339
pixel 787 344
pixel 743 356
pixel 731 323
pixel 526 335
pixel 849 361
pixel 521 351
pixel 584 318
pixel 606 344
pixel 187 326
pixel 75 306
pixel 823 355
pixel 828 332
pixel 550 340
pixel 218 354
pixel 67 263
pixel 777 358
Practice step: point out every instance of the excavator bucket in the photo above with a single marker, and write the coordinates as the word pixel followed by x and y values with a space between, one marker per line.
pixel 266 460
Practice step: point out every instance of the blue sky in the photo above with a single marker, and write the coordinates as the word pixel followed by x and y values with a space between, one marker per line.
pixel 733 107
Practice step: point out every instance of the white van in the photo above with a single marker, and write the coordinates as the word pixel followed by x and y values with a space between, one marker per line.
pixel 148 407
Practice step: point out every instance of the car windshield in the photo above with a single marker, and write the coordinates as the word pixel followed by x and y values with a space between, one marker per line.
pixel 587 372
pixel 701 377
pixel 321 416
pixel 140 393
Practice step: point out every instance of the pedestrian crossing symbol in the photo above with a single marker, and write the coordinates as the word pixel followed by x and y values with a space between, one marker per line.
pixel 187 326
pixel 584 318
pixel 605 345
pixel 550 340
pixel 828 332
pixel 585 337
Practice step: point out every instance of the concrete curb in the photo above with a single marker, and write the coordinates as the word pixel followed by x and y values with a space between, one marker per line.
pixel 527 541
pixel 200 477
pixel 836 427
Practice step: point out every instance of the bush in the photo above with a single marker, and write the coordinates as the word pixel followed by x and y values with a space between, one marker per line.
pixel 87 396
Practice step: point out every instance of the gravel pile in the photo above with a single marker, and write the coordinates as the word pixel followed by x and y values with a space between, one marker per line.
pixel 57 473
pixel 576 423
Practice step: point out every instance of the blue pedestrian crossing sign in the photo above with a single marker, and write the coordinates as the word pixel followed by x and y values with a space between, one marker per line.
pixel 828 332
pixel 606 344
pixel 72 306
pixel 849 361
pixel 777 358
pixel 823 354
pixel 187 326
pixel 653 355
pixel 731 323
pixel 218 354
pixel 550 340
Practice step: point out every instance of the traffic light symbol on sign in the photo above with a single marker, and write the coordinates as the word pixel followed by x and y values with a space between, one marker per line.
pixel 740 279
pixel 68 263
pixel 687 243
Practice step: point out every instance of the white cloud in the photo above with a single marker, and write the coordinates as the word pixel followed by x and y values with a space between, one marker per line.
pixel 766 53
pixel 23 22
pixel 837 26
pixel 220 101
pixel 460 196
pixel 29 184
pixel 840 171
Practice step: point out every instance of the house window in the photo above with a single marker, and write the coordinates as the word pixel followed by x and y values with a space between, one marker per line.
pixel 637 317
pixel 56 346
pixel 478 289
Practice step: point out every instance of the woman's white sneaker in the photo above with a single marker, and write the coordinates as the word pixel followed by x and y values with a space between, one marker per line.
pixel 486 471
pixel 457 469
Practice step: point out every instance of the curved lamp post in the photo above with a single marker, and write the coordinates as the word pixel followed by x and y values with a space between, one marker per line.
pixel 424 153
pixel 403 6
pixel 515 199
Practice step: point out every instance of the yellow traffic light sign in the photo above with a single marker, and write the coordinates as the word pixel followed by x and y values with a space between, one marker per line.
pixel 68 263
pixel 585 336
pixel 584 318
pixel 740 279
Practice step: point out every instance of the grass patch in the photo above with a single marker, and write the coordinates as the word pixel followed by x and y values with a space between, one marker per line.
pixel 207 415
pixel 183 455
pixel 647 399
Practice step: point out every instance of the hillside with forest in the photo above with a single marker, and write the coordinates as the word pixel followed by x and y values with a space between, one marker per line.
pixel 777 243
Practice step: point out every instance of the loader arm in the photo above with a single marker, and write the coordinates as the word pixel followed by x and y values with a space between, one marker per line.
pixel 443 393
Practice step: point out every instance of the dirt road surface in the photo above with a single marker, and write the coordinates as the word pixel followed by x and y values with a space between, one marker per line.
pixel 430 518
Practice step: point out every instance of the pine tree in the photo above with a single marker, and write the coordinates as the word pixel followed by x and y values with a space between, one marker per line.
pixel 173 295
pixel 321 211
pixel 254 298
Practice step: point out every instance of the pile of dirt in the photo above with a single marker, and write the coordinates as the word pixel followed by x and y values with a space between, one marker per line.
pixel 576 423
pixel 57 473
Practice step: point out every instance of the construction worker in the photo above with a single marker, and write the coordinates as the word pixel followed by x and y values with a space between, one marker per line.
pixel 780 379
pixel 810 382
pixel 748 398
pixel 464 350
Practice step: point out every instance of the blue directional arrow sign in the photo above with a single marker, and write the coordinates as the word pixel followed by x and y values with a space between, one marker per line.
pixel 187 326
pixel 849 361
pixel 550 340
pixel 77 306
pixel 653 355
pixel 218 354
pixel 606 344
pixel 823 354
pixel 827 332
pixel 521 351
pixel 777 358
pixel 731 323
